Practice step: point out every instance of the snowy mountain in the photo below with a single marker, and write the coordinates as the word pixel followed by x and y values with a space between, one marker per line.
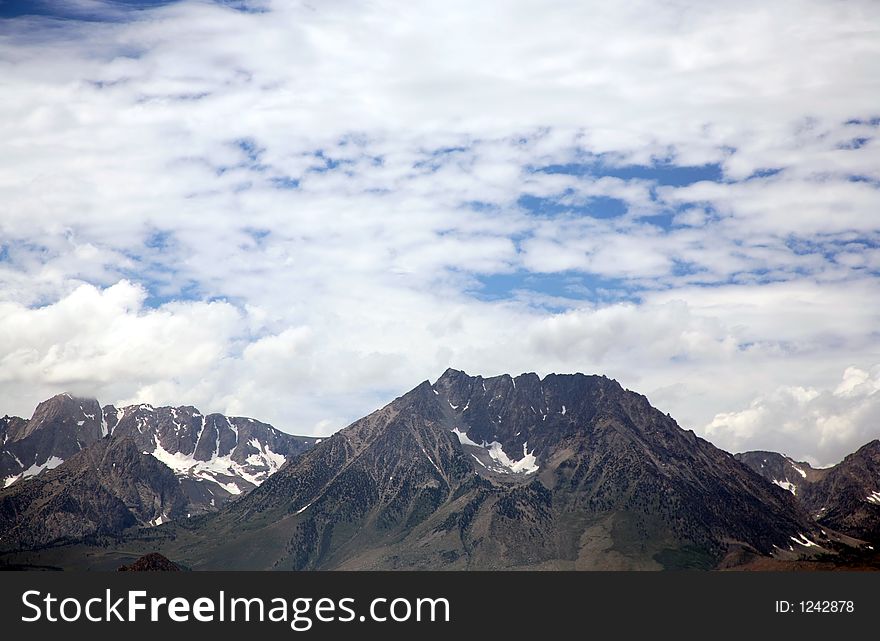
pixel 564 472
pixel 214 457
pixel 781 470
pixel 561 472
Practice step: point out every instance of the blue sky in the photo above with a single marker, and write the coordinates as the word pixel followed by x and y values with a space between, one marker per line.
pixel 73 10
pixel 297 211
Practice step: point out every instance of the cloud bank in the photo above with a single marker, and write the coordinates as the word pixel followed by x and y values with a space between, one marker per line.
pixel 298 211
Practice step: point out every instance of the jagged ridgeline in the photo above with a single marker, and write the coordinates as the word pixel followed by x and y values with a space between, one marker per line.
pixel 76 469
pixel 565 472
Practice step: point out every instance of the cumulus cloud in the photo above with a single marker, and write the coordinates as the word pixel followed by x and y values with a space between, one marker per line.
pixel 297 213
pixel 816 425
pixel 99 342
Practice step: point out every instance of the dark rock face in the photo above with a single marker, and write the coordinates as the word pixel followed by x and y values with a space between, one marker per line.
pixel 153 562
pixel 59 428
pixel 780 470
pixel 100 491
pixel 845 497
pixel 567 472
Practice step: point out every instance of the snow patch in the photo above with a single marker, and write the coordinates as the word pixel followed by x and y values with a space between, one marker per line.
pixel 526 465
pixel 803 540
pixel 436 467
pixel 232 488
pixel 188 466
pixel 304 508
pixel 234 428
pixel 874 497
pixel 799 470
pixel 265 457
pixel 51 463
pixel 787 485
pixel 455 407
pixel 563 410
pixel 463 437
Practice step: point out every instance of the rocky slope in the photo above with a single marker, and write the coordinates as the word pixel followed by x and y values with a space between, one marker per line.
pixel 780 470
pixel 100 491
pixel 845 497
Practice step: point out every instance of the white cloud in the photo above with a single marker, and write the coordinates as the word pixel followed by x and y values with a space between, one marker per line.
pixel 320 188
pixel 104 342
pixel 817 425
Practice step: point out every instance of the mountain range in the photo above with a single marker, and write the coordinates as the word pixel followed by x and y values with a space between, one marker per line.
pixel 560 472
pixel 76 468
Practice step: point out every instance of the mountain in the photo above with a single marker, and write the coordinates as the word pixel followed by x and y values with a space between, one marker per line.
pixel 214 457
pixel 102 490
pixel 845 497
pixel 564 472
pixel 59 428
pixel 788 474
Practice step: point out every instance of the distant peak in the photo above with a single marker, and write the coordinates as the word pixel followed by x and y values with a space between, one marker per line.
pixel 871 447
pixel 452 374
pixel 66 398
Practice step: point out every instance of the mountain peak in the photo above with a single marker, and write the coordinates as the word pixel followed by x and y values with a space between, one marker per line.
pixel 872 448
pixel 450 375
pixel 66 399
pixel 75 414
